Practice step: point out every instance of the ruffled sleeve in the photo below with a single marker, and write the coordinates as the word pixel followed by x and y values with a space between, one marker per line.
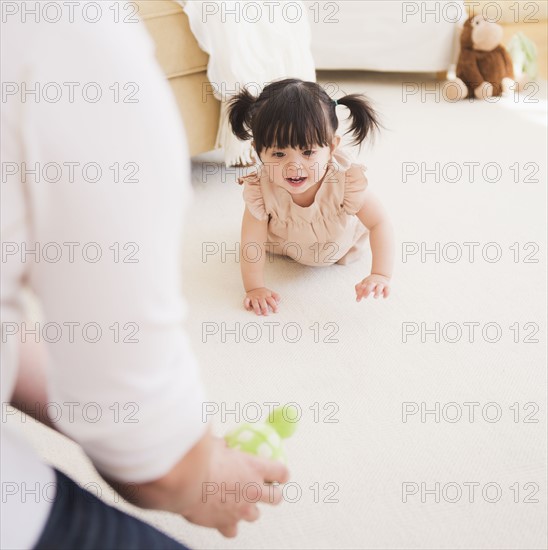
pixel 355 187
pixel 253 196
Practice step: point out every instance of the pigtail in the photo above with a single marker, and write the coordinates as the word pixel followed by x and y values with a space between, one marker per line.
pixel 240 108
pixel 364 119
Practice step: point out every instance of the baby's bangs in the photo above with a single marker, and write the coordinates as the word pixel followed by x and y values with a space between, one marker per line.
pixel 292 122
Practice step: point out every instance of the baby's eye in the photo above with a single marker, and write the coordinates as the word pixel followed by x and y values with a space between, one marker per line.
pixel 278 154
pixel 309 152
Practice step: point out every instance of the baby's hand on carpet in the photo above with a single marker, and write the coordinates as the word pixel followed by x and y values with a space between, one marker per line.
pixel 259 299
pixel 378 285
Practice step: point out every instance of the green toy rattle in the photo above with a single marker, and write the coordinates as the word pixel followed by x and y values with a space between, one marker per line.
pixel 264 439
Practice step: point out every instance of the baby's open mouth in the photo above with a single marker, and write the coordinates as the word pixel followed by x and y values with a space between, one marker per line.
pixel 296 181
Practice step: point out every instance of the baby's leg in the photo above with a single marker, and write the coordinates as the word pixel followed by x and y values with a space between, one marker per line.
pixel 358 249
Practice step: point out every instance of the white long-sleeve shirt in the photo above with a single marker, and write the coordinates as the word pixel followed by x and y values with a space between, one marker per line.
pixel 95 176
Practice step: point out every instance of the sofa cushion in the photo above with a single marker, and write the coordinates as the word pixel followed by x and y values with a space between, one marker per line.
pixel 176 48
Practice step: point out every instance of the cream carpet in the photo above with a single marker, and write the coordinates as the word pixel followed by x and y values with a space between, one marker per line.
pixel 362 478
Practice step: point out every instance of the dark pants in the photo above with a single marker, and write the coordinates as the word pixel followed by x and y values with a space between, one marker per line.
pixel 80 520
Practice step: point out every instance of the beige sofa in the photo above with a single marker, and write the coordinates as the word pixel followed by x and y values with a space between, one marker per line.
pixel 185 65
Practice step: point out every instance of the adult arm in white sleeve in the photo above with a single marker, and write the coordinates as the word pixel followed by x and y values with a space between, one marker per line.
pixel 132 398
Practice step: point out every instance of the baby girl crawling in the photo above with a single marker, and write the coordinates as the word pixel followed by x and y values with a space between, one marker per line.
pixel 306 198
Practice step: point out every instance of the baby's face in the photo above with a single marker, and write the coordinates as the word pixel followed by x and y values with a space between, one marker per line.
pixel 296 170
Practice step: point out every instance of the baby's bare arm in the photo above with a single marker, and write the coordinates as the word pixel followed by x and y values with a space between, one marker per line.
pixel 252 251
pixel 381 237
pixel 252 260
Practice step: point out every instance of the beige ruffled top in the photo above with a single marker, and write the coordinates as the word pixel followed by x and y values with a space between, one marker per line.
pixel 324 233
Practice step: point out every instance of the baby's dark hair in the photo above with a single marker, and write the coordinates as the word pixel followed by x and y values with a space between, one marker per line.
pixel 297 114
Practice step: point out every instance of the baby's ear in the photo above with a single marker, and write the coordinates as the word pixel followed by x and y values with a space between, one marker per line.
pixel 336 142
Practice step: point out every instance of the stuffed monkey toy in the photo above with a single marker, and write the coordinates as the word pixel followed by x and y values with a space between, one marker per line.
pixel 484 68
